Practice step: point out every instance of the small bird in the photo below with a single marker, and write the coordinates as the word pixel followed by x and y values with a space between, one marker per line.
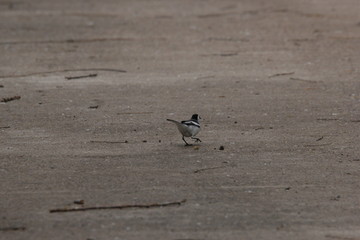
pixel 188 128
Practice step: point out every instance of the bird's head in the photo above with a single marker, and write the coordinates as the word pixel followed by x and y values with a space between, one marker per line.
pixel 195 117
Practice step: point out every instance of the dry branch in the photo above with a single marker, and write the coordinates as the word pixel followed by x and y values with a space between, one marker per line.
pixel 281 74
pixel 210 168
pixel 153 205
pixel 64 70
pixel 82 76
pixel 8 99
pixel 99 141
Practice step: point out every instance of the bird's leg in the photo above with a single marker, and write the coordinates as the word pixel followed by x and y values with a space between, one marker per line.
pixel 186 144
pixel 196 139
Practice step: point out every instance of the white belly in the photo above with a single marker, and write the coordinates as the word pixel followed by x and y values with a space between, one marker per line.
pixel 188 131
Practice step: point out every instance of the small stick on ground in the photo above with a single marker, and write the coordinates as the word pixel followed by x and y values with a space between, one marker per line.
pixel 230 54
pixel 153 205
pixel 320 138
pixel 303 80
pixel 65 70
pixel 5 229
pixel 80 40
pixel 281 74
pixel 317 145
pixel 210 168
pixel 83 76
pixel 98 141
pixel 8 99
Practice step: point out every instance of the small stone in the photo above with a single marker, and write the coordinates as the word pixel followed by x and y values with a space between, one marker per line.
pixel 221 148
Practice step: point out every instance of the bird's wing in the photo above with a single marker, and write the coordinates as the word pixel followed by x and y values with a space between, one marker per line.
pixel 191 123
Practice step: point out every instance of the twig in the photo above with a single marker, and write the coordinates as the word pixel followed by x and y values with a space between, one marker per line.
pixel 228 39
pixel 317 145
pixel 210 168
pixel 154 205
pixel 83 76
pixel 95 141
pixel 303 80
pixel 12 229
pixel 327 119
pixel 211 15
pixel 220 54
pixel 8 99
pixel 65 70
pixel 5 127
pixel 69 41
pixel 227 54
pixel 281 74
pixel 80 202
pixel 215 15
pixel 320 138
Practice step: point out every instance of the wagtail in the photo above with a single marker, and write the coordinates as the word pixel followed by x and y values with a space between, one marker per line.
pixel 188 128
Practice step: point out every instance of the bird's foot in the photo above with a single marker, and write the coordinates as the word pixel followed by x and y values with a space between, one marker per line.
pixel 186 144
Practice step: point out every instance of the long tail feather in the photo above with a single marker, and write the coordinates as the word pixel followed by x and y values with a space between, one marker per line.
pixel 173 121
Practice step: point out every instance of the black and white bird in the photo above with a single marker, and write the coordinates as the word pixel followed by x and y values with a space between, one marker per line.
pixel 188 128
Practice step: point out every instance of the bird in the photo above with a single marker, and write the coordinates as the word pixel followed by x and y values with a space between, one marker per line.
pixel 188 128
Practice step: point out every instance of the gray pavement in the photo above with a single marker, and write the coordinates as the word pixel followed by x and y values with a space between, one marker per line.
pixel 276 83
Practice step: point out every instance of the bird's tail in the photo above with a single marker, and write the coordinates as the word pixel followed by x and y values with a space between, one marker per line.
pixel 173 121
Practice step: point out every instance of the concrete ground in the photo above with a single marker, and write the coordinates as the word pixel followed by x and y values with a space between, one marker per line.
pixel 275 82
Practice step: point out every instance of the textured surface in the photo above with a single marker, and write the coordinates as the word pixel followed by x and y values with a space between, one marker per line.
pixel 276 83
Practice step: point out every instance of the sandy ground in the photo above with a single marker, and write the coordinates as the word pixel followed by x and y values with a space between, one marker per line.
pixel 276 83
